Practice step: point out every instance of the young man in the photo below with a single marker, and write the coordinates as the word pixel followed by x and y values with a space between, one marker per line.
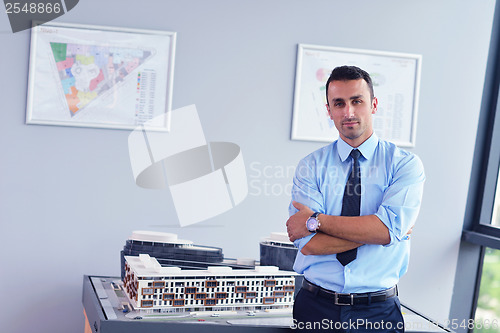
pixel 354 203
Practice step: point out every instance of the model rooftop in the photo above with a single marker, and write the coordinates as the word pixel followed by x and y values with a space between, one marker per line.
pixel 278 237
pixel 158 237
pixel 144 265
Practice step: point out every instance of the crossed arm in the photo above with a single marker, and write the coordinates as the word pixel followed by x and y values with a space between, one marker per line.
pixel 398 210
pixel 337 233
pixel 325 244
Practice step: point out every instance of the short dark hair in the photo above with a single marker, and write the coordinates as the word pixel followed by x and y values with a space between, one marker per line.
pixel 346 73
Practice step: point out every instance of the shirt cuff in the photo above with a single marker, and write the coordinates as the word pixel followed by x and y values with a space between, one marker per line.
pixel 301 242
pixel 386 220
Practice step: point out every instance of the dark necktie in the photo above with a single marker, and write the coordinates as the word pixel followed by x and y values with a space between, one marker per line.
pixel 351 202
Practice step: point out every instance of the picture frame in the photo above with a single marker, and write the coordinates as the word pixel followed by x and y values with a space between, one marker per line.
pixel 100 77
pixel 396 80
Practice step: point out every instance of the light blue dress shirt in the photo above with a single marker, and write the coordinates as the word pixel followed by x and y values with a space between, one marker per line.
pixel 392 183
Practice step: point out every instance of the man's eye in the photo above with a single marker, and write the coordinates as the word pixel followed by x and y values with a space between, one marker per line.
pixel 339 104
pixel 357 101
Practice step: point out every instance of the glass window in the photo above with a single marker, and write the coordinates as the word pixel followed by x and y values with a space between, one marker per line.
pixel 211 284
pixel 241 289
pixel 159 284
pixel 201 296
pixel 488 303
pixel 268 300
pixel 147 291
pixel 179 302
pixel 168 296
pixel 270 283
pixel 147 303
pixel 190 290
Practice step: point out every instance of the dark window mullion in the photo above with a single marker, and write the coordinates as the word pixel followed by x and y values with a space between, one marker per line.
pixel 482 239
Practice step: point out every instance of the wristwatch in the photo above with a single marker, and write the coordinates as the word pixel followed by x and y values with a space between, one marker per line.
pixel 312 223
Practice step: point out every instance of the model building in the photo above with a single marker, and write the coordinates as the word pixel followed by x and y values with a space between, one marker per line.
pixel 277 250
pixel 151 287
pixel 170 251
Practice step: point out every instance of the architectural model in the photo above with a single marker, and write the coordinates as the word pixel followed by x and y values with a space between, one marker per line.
pixel 153 288
pixel 170 251
pixel 277 250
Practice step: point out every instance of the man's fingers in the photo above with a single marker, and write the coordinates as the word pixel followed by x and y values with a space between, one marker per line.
pixel 298 205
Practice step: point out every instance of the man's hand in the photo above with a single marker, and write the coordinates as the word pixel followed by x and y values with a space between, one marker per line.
pixel 296 224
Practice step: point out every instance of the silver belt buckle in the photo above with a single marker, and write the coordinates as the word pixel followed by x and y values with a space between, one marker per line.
pixel 336 299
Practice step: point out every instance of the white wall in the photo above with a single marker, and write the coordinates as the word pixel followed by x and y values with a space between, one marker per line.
pixel 67 196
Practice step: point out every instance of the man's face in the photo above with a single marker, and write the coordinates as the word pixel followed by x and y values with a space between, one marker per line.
pixel 351 108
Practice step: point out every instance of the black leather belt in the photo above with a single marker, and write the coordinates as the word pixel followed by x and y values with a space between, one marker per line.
pixel 350 299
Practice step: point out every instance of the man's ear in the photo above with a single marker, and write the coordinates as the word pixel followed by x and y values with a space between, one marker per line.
pixel 374 105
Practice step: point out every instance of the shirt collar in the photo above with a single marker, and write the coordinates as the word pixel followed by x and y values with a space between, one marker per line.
pixel 367 148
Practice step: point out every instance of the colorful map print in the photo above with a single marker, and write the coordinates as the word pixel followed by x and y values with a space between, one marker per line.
pixel 88 71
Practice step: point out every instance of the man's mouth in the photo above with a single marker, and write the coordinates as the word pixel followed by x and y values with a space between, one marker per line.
pixel 350 123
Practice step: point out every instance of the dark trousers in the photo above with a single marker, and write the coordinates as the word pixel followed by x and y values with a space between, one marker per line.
pixel 312 313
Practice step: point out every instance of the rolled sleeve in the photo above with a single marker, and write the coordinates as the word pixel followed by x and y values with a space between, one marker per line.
pixel 305 190
pixel 401 200
pixel 301 242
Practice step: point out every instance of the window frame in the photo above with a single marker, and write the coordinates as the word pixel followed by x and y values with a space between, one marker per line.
pixel 478 233
pixel 484 176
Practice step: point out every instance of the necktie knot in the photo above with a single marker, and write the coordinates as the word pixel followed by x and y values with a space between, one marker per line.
pixel 355 154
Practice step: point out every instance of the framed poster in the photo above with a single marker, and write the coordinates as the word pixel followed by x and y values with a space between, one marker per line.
pixel 94 76
pixel 396 80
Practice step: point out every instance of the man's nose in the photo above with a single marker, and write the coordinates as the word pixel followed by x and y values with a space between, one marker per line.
pixel 348 112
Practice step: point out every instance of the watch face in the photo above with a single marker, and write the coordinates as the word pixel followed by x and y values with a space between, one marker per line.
pixel 312 224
